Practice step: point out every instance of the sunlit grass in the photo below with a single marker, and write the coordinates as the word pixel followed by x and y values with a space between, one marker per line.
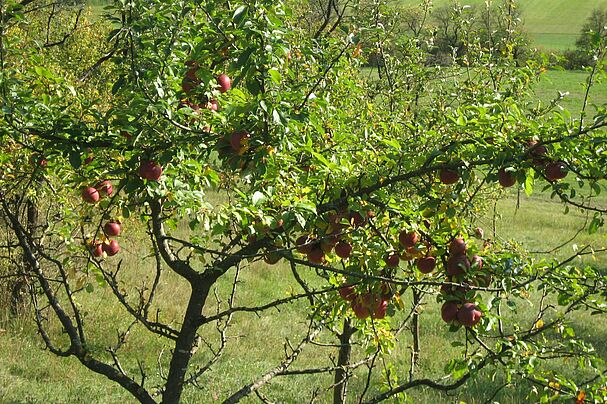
pixel 256 343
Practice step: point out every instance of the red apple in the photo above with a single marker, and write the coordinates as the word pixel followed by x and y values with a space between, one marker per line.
pixel 457 264
pixel 213 105
pixel 360 309
pixel 40 160
pixel 408 239
pixel 537 152
pixel 356 219
pixel 317 255
pixel 392 260
pixel 449 312
pixel 112 248
pixel 556 171
pixel 506 178
pixel 334 218
pixel 535 149
pixel 105 188
pixel 89 160
pixel 97 249
pixel 457 246
pixel 188 85
pixel 347 293
pixel 448 176
pixel 380 309
pixel 414 252
pixel 343 249
pixel 304 244
pixel 150 170
pixel 469 315
pixel 112 229
pixel 477 262
pixel 239 141
pixel 90 195
pixel 190 74
pixel 426 264
pixel 224 83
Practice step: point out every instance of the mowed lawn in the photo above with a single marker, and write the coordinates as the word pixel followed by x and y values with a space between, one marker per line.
pixel 551 24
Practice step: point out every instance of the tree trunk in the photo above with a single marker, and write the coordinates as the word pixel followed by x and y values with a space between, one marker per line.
pixel 33 226
pixel 341 374
pixel 184 346
pixel 415 333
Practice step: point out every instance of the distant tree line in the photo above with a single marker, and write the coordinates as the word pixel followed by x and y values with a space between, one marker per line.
pixel 446 32
pixel 593 35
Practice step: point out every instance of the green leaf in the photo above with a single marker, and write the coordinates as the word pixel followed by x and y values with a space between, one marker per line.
pixel 244 57
pixel 596 222
pixel 529 182
pixel 276 117
pixel 75 159
pixel 118 84
pixel 306 205
pixel 275 76
pixel 263 105
pixel 321 159
pixel 42 72
pixel 259 198
pixel 239 14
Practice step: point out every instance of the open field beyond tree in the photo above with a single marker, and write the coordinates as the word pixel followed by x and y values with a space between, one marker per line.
pixel 297 203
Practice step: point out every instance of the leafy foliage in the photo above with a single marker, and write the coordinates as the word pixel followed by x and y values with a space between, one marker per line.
pixel 301 143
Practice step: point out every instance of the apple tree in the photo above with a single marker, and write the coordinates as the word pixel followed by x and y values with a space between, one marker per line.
pixel 221 135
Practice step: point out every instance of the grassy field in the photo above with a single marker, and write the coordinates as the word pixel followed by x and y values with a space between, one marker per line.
pixel 551 24
pixel 572 82
pixel 30 375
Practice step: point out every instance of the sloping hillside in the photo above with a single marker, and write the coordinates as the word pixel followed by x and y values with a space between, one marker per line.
pixel 551 24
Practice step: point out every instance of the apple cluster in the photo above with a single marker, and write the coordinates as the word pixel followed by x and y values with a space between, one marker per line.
pixel 191 82
pixel 315 248
pixel 457 309
pixel 112 228
pixel 335 239
pixel 236 143
pixel 149 170
pixel 538 155
pixel 374 305
pixel 410 241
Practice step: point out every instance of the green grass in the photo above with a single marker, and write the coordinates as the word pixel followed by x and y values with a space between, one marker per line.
pixel 551 24
pixel 573 82
pixel 29 374
pixel 555 24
